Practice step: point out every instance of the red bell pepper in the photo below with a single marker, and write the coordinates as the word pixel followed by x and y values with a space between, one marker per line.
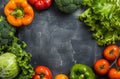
pixel 41 4
pixel 42 72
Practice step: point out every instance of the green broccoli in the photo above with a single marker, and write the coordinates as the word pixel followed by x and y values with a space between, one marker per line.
pixel 68 6
pixel 6 32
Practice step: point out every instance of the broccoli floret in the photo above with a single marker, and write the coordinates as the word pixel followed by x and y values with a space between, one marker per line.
pixel 6 32
pixel 68 6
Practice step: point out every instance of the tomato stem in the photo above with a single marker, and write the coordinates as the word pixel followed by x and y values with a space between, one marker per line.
pixel 111 51
pixel 102 67
pixel 115 61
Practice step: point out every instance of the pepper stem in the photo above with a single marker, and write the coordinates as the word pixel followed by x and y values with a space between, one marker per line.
pixel 18 12
pixel 42 75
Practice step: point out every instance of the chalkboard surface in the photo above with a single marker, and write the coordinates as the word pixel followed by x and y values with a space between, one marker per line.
pixel 58 40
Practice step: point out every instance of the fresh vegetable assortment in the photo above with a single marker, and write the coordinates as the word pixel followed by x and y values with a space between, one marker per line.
pixel 101 15
pixel 14 59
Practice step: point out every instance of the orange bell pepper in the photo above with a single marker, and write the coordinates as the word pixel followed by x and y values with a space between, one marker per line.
pixel 19 12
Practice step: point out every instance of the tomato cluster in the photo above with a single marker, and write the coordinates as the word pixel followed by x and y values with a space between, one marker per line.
pixel 105 66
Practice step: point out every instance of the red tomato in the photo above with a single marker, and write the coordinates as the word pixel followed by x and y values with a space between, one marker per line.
pixel 42 72
pixel 41 4
pixel 118 62
pixel 114 73
pixel 101 66
pixel 111 52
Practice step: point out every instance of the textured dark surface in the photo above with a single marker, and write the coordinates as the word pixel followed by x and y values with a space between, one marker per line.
pixel 58 40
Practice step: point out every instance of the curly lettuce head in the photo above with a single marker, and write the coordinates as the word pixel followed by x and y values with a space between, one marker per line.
pixel 103 18
pixel 8 66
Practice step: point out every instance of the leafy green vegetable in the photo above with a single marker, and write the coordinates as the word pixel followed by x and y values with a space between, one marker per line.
pixel 103 18
pixel 6 32
pixel 8 66
pixel 68 6
pixel 23 59
pixel 14 46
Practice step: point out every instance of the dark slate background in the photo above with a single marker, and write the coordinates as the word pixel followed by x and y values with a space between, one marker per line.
pixel 58 40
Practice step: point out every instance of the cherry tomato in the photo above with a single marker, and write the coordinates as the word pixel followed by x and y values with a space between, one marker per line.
pixel 114 73
pixel 111 52
pixel 61 76
pixel 101 66
pixel 42 72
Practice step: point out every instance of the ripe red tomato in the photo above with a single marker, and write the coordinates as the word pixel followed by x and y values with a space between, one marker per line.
pixel 101 66
pixel 111 52
pixel 42 72
pixel 114 73
pixel 118 62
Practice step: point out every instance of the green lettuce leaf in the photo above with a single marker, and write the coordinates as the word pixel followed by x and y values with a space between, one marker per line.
pixel 102 16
